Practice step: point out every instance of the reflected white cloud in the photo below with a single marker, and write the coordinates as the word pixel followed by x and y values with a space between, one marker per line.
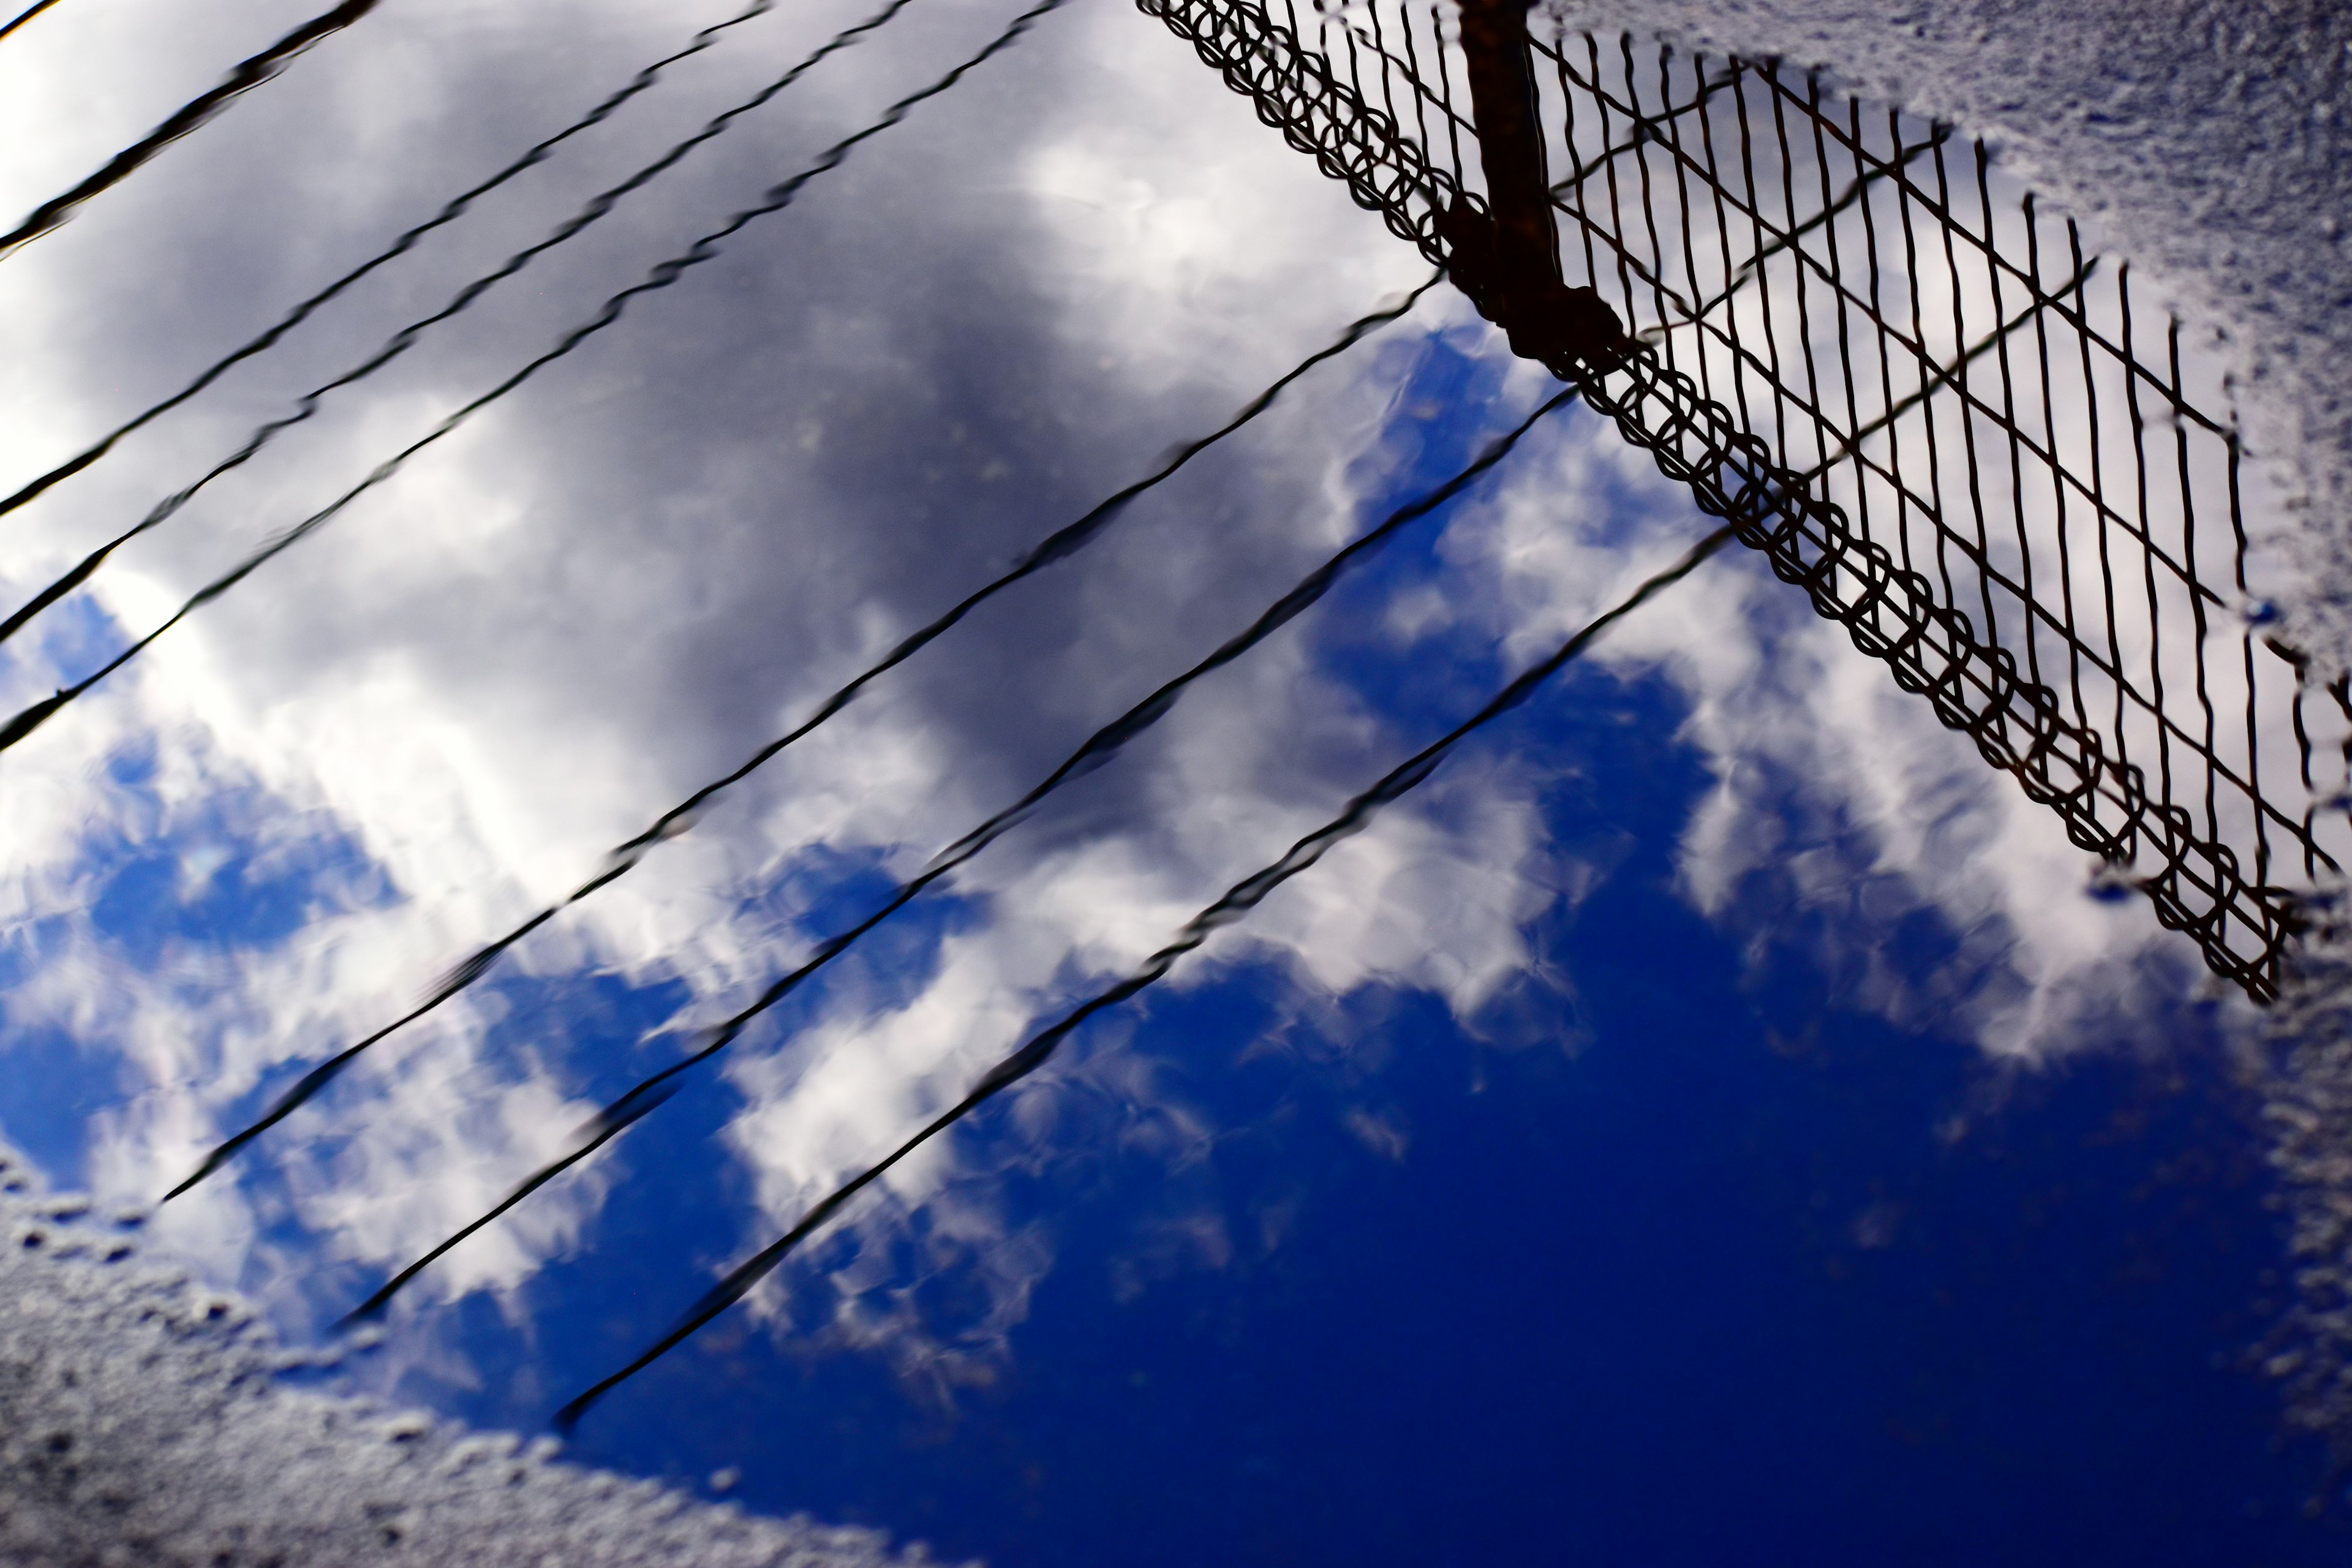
pixel 440 712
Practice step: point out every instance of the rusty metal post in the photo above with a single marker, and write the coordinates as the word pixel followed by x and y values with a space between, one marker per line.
pixel 1507 259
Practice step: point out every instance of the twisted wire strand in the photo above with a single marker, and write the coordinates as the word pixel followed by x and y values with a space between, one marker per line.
pixel 1058 546
pixel 242 79
pixel 1096 750
pixel 407 338
pixel 661 276
pixel 455 208
pixel 27 15
pixel 1230 907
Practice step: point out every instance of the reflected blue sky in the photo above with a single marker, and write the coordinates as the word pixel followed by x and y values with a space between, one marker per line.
pixel 1739 1274
pixel 1713 1122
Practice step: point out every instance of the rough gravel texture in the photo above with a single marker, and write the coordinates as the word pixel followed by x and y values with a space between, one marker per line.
pixel 2308 1100
pixel 144 1421
pixel 2212 138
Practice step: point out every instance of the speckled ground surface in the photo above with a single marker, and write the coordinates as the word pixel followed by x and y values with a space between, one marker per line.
pixel 144 1421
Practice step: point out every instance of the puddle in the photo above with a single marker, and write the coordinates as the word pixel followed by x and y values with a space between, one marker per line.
pixel 928 578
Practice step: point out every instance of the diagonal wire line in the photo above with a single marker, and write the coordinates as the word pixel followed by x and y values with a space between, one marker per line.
pixel 661 276
pixel 1058 546
pixel 1940 376
pixel 243 78
pixel 1645 129
pixel 27 15
pixel 1093 753
pixel 454 209
pixel 1234 905
pixel 1847 199
pixel 400 341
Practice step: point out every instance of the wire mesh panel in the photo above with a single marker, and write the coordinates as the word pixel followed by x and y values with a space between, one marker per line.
pixel 1975 438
